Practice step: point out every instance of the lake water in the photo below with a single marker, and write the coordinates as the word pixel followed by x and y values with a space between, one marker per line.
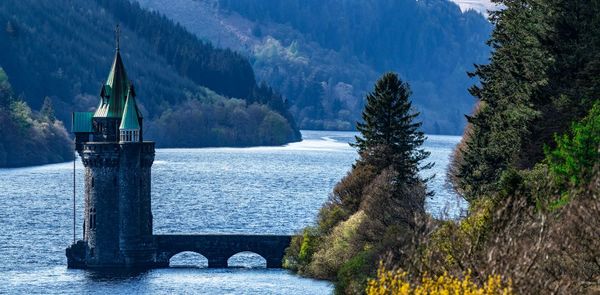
pixel 261 190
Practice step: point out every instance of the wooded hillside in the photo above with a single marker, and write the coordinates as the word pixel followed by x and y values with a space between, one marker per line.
pixel 63 49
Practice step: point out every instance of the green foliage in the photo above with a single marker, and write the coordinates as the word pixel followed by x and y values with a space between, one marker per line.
pixel 28 138
pixel 453 243
pixel 21 113
pixel 354 274
pixel 330 215
pixel 390 134
pixel 510 182
pixel 576 152
pixel 542 76
pixel 337 247
pixel 501 124
pixel 344 45
pixel 66 61
pixel 220 122
pixel 47 110
pixel 531 211
pixel 6 96
pixel 374 211
pixel 302 247
pixel 290 259
pixel 308 246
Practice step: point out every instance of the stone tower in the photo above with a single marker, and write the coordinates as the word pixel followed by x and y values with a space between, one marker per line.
pixel 117 227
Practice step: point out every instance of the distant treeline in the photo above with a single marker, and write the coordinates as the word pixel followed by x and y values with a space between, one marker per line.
pixel 63 50
pixel 225 123
pixel 429 42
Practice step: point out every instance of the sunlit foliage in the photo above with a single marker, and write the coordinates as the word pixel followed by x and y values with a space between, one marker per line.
pixel 396 283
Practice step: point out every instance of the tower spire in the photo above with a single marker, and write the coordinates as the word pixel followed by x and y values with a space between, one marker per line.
pixel 117 36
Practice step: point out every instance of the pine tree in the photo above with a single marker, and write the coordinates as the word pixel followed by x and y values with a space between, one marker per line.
pixel 6 95
pixel 48 110
pixel 499 132
pixel 390 134
pixel 543 75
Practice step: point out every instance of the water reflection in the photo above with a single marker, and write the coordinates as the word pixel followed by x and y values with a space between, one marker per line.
pixel 115 275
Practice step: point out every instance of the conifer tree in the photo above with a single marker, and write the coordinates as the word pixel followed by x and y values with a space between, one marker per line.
pixel 499 132
pixel 543 75
pixel 390 134
pixel 48 110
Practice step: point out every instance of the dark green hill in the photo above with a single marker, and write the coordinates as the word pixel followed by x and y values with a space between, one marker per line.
pixel 63 49
pixel 325 55
pixel 431 43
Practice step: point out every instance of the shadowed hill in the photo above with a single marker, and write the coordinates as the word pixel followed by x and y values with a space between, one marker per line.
pixel 325 55
pixel 63 49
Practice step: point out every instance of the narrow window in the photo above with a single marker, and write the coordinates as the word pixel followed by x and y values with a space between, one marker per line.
pixel 93 218
pixel 92 184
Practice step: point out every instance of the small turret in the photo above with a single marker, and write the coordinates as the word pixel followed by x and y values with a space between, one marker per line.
pixel 130 122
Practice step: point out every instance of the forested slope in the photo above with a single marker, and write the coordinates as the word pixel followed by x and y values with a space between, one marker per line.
pixel 63 49
pixel 528 164
pixel 325 55
pixel 29 137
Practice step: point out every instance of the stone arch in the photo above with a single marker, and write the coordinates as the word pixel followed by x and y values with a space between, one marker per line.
pixel 247 259
pixel 188 259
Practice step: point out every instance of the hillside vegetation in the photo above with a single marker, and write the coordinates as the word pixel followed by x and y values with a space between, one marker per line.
pixel 28 137
pixel 528 163
pixel 325 55
pixel 63 49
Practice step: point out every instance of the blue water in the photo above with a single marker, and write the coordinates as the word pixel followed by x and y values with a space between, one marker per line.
pixel 274 190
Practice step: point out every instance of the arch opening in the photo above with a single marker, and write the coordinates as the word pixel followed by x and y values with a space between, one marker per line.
pixel 247 259
pixel 188 259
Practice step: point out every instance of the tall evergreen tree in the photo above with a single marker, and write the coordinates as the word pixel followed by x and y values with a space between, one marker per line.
pixel 390 134
pixel 499 131
pixel 48 110
pixel 543 75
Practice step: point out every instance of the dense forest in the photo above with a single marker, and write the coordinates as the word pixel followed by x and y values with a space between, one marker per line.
pixel 29 137
pixel 63 50
pixel 325 55
pixel 528 164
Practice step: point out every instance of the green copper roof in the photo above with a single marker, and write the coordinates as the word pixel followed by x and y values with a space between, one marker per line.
pixel 82 122
pixel 130 120
pixel 114 92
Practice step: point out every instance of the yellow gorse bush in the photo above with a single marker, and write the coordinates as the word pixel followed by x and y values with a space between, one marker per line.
pixel 396 283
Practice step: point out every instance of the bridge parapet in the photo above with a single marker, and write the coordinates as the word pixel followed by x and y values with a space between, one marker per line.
pixel 218 248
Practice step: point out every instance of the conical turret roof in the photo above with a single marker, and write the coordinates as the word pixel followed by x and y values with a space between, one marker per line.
pixel 130 120
pixel 114 91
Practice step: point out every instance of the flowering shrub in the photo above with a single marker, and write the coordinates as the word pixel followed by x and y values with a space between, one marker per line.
pixel 396 283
